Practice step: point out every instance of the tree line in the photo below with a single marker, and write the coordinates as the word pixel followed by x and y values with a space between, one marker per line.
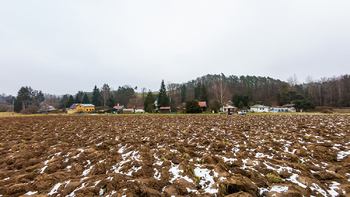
pixel 215 90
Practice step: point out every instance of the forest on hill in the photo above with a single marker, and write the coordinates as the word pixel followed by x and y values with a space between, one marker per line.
pixel 215 89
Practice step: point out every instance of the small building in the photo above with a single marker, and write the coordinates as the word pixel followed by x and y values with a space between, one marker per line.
pixel 128 111
pixel 47 109
pixel 119 108
pixel 228 107
pixel 203 105
pixel 259 108
pixel 289 107
pixel 165 110
pixel 139 110
pixel 78 107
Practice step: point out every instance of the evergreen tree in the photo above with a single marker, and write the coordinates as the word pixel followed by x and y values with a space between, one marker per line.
pixel 149 102
pixel 64 101
pixel 85 99
pixel 163 99
pixel 18 105
pixel 193 107
pixel 25 96
pixel 70 101
pixel 96 96
pixel 197 91
pixel 183 93
pixel 240 105
pixel 111 101
pixel 38 97
pixel 203 94
pixel 79 97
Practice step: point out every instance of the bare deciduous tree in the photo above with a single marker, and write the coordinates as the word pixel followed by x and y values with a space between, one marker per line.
pixel 105 92
pixel 219 88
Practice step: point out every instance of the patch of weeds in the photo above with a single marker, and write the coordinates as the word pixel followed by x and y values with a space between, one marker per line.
pixel 226 143
pixel 329 158
pixel 274 178
pixel 242 145
pixel 308 153
pixel 266 142
pixel 305 136
pixel 190 169
pixel 276 136
pixel 223 190
pixel 202 161
pixel 198 179
pixel 23 141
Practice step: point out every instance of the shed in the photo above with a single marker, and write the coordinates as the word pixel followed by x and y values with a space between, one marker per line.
pixel 203 105
pixel 140 110
pixel 128 111
pixel 165 110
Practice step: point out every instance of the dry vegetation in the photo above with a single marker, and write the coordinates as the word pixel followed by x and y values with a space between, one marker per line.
pixel 182 155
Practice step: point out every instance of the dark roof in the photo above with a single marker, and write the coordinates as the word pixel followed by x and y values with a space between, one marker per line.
pixel 141 107
pixel 74 106
pixel 164 108
pixel 202 104
pixel 288 105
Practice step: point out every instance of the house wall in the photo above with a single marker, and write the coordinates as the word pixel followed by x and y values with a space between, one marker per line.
pixel 260 109
pixel 164 111
pixel 81 108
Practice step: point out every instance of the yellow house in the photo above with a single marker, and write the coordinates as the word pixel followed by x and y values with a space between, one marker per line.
pixel 77 107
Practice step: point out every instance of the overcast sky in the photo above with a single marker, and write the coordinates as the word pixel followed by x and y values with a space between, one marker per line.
pixel 65 46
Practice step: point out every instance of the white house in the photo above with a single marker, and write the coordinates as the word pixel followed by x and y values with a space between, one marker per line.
pixel 289 107
pixel 139 110
pixel 259 108
pixel 226 107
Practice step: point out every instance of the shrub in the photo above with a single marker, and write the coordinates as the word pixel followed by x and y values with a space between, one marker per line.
pixel 4 108
pixel 193 107
pixel 30 110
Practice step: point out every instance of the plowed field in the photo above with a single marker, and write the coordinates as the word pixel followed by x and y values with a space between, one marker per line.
pixel 189 155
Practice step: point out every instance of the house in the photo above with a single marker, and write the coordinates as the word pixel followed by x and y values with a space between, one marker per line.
pixel 140 110
pixel 128 111
pixel 203 105
pixel 289 107
pixel 259 108
pixel 119 108
pixel 78 107
pixel 46 109
pixel 227 108
pixel 165 110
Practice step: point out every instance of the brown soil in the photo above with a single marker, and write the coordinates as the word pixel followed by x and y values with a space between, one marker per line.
pixel 189 155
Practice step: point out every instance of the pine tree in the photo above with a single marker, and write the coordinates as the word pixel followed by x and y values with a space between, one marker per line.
pixel 240 105
pixel 64 101
pixel 79 97
pixel 70 101
pixel 163 99
pixel 203 94
pixel 149 102
pixel 197 91
pixel 85 99
pixel 183 93
pixel 96 96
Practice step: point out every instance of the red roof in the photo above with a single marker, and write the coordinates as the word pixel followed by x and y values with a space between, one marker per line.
pixel 164 108
pixel 202 104
pixel 141 107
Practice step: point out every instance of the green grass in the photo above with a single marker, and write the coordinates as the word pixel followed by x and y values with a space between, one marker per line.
pixel 274 178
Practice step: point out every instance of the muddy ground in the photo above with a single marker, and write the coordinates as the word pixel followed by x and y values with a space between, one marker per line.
pixel 188 155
